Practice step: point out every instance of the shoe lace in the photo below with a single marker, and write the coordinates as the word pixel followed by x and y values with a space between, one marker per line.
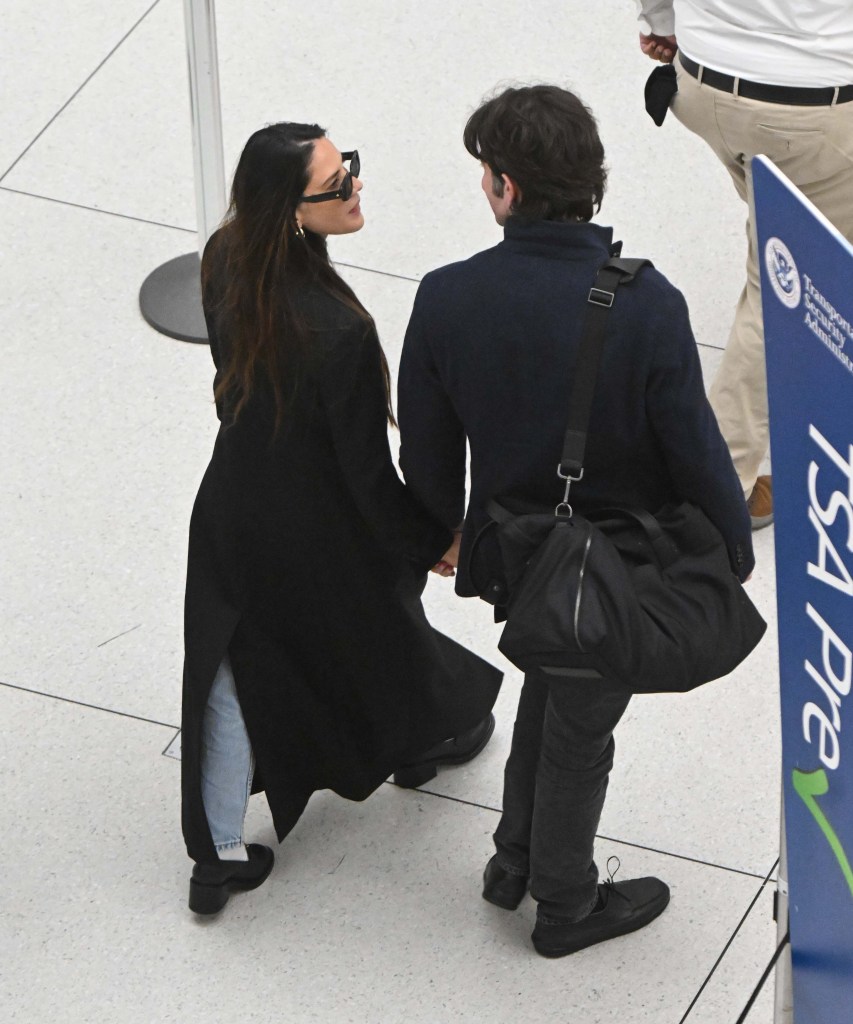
pixel 608 888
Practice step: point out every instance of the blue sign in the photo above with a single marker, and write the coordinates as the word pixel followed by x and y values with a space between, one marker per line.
pixel 807 298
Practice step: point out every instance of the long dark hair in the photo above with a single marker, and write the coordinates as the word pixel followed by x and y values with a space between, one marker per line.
pixel 263 260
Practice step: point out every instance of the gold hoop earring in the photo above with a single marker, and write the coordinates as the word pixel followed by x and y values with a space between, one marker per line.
pixel 298 231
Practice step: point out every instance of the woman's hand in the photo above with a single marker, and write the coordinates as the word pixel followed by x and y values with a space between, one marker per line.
pixel 450 559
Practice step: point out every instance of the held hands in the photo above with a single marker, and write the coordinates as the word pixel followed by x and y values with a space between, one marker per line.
pixel 662 48
pixel 450 558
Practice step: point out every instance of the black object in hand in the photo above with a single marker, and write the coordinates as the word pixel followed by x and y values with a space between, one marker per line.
pixel 660 89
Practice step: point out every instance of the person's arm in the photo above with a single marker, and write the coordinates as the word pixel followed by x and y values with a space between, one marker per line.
pixel 656 17
pixel 684 423
pixel 432 438
pixel 352 391
pixel 657 29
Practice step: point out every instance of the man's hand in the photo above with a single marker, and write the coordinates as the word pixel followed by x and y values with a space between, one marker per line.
pixel 449 560
pixel 662 48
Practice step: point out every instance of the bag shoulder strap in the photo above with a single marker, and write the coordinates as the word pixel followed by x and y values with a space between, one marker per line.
pixel 601 296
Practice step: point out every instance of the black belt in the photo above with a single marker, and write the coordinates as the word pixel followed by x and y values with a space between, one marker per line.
pixel 790 94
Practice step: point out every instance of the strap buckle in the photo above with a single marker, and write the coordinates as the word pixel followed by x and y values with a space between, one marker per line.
pixel 600 297
pixel 564 504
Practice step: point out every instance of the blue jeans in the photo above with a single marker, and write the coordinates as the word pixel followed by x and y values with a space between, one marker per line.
pixel 227 762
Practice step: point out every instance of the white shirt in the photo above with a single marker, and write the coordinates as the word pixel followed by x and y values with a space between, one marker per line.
pixel 780 42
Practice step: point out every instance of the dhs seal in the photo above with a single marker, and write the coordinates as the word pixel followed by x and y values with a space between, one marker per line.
pixel 782 272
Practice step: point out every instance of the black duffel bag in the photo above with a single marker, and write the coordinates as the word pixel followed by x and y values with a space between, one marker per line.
pixel 649 601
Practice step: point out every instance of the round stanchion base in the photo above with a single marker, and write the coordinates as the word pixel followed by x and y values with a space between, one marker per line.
pixel 170 299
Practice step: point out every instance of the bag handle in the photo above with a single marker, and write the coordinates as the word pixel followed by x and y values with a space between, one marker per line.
pixel 665 550
pixel 601 297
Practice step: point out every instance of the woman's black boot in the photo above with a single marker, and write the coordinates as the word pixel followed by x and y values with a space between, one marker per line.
pixel 212 884
pixel 457 750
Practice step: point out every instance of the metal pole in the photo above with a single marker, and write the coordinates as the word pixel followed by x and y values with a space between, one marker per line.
pixel 206 114
pixel 784 1002
pixel 170 297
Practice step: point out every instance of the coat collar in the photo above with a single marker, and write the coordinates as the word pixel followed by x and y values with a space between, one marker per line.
pixel 558 239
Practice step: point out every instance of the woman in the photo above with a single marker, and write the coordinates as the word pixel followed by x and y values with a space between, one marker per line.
pixel 309 661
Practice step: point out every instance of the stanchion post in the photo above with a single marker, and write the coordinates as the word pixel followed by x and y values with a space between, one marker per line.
pixel 170 297
pixel 206 114
pixel 784 1001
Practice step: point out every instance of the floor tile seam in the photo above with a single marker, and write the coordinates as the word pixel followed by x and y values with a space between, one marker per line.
pixel 178 227
pixel 93 707
pixel 694 1002
pixel 683 856
pixel 613 839
pixel 165 751
pixel 374 270
pixel 78 90
pixel 97 209
pixel 192 231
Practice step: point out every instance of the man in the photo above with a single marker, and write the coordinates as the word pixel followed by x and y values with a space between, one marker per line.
pixel 488 357
pixel 772 77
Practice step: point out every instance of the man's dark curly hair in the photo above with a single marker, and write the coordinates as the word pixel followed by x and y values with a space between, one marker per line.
pixel 547 141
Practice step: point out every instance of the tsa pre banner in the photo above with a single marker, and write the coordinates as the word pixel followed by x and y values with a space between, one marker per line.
pixel 807 299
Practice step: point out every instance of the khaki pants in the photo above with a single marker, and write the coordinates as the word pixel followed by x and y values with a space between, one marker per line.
pixel 813 146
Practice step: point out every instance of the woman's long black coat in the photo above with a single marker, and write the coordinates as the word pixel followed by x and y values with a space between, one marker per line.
pixel 307 558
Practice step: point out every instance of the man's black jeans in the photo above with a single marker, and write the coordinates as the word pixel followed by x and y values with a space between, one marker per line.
pixel 554 785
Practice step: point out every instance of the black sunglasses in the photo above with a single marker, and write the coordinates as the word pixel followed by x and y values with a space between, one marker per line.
pixel 344 190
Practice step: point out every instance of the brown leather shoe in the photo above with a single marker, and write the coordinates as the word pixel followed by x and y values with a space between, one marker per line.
pixel 760 503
